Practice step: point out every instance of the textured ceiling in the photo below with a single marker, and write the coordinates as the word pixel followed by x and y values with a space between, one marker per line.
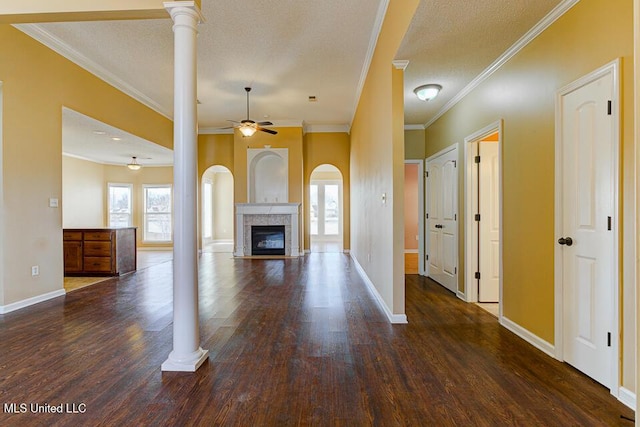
pixel 288 50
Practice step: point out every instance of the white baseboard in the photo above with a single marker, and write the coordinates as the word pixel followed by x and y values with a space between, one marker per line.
pixel 393 318
pixel 410 251
pixel 461 295
pixel 346 251
pixel 529 337
pixel 627 397
pixel 155 248
pixel 31 301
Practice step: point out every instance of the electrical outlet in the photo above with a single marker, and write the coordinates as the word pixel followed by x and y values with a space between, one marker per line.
pixel 35 270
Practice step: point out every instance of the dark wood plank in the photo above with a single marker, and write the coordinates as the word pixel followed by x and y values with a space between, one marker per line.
pixel 292 342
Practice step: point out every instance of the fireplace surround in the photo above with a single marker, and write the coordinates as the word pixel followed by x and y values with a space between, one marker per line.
pixel 267 214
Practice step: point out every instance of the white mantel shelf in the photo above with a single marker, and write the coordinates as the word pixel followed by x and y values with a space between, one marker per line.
pixel 267 210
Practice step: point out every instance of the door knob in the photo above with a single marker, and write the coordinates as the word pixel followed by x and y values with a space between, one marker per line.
pixel 565 241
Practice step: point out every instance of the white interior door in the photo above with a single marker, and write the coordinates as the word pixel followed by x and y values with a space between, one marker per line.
pixel 489 225
pixel 586 238
pixel 442 211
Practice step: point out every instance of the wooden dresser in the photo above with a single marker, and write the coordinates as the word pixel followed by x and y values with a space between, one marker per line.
pixel 99 251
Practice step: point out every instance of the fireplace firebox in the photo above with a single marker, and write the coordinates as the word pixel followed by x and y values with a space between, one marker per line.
pixel 267 240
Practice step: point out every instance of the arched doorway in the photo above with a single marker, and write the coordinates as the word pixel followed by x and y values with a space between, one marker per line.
pixel 326 209
pixel 217 210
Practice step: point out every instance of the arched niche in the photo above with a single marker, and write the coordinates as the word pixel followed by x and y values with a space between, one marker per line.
pixel 268 175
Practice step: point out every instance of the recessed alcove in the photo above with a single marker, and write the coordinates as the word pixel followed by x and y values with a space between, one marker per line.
pixel 268 175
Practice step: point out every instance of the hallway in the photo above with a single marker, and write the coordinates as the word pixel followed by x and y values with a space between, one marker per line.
pixel 292 342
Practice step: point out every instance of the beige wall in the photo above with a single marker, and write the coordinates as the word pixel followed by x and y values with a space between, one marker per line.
pixel 332 149
pixel 377 165
pixel 522 94
pixel 37 83
pixel 222 206
pixel 414 145
pixel 83 194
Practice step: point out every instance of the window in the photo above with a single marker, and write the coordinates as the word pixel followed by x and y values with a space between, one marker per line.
pixel 120 205
pixel 325 209
pixel 157 213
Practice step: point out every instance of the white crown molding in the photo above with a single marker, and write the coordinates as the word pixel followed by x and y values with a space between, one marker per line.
pixel 414 127
pixel 373 41
pixel 400 64
pixel 40 34
pixel 326 128
pixel 534 32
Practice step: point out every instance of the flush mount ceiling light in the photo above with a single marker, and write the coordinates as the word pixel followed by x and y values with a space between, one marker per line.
pixel 134 165
pixel 427 92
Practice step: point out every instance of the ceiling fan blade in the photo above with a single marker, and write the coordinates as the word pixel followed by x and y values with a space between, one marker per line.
pixel 228 127
pixel 265 124
pixel 271 131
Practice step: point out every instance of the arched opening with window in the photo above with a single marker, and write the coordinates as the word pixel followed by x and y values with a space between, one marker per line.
pixel 217 210
pixel 326 207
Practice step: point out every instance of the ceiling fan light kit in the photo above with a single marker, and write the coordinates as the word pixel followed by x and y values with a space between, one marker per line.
pixel 248 127
pixel 427 92
pixel 134 165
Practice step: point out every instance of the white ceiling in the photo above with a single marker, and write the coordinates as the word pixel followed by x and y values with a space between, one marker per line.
pixel 290 50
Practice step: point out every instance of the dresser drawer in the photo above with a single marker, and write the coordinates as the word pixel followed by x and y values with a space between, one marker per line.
pixel 97 264
pixel 72 235
pixel 97 248
pixel 97 235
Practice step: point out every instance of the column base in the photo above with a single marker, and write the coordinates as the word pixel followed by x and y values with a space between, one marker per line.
pixel 191 365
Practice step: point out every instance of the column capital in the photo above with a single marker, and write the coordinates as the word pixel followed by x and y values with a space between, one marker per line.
pixel 176 8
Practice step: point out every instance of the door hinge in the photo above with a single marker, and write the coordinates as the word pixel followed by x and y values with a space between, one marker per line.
pixel 426 216
pixel 608 223
pixel 455 163
pixel 426 174
pixel 455 270
pixel 477 275
pixel 477 217
pixel 427 257
pixel 476 159
pixel 455 217
pixel 608 339
pixel 609 107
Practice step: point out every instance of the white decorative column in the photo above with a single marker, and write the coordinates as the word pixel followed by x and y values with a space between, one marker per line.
pixel 187 354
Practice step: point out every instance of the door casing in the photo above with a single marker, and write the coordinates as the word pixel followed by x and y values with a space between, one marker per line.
pixel 470 206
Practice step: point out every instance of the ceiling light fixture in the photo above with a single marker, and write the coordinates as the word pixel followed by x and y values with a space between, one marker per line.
pixel 427 92
pixel 247 129
pixel 134 165
pixel 116 138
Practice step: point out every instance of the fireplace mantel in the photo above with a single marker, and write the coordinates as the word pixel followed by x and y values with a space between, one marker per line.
pixel 286 214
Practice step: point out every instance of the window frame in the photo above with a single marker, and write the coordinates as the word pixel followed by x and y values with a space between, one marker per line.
pixel 129 186
pixel 145 213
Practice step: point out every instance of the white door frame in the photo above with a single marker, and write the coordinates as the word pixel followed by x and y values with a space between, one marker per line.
pixel 471 226
pixel 452 147
pixel 421 264
pixel 614 68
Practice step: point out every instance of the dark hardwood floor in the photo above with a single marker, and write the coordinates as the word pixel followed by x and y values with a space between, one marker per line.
pixel 292 342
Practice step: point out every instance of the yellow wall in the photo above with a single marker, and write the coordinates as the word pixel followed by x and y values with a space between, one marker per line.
pixel 377 165
pixel 37 83
pixel 215 150
pixel 332 149
pixel 522 93
pixel 414 145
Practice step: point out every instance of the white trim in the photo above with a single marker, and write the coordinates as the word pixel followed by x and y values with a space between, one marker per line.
pixel 534 32
pixel 627 397
pixel 38 33
pixel 612 67
pixel 414 127
pixel 393 318
pixel 529 337
pixel 400 64
pixel 373 41
pixel 411 251
pixel 470 225
pixel 4 309
pixel 421 241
